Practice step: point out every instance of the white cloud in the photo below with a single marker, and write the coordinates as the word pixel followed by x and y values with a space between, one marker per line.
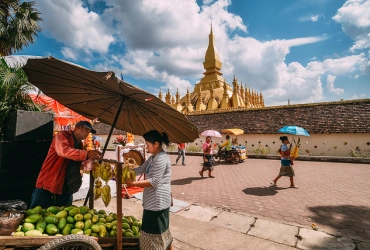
pixel 354 16
pixel 315 18
pixel 330 85
pixel 362 96
pixel 165 42
pixel 310 18
pixel 69 54
pixel 74 26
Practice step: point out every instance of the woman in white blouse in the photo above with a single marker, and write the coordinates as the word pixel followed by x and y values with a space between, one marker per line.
pixel 155 233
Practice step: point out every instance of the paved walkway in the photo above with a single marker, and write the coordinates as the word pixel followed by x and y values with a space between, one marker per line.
pixel 335 196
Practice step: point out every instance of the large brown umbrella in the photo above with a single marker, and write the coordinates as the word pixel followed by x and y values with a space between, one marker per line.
pixel 102 95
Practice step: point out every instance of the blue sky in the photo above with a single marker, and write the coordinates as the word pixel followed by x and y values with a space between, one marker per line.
pixel 302 50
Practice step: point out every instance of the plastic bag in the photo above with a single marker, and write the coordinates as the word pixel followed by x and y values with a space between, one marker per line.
pixel 11 215
pixel 15 205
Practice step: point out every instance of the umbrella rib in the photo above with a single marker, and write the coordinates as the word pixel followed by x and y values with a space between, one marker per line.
pixel 168 116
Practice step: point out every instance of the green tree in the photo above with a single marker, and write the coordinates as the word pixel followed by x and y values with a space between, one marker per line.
pixel 19 25
pixel 14 89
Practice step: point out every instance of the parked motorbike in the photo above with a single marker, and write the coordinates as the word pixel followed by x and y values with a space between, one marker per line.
pixel 230 156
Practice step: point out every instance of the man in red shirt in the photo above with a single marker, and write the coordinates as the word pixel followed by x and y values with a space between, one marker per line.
pixel 181 152
pixel 60 175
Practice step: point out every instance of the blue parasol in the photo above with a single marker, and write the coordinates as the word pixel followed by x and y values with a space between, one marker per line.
pixel 294 130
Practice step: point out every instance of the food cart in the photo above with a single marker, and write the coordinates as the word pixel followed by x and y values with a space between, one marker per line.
pixel 102 96
pixel 241 149
pixel 73 240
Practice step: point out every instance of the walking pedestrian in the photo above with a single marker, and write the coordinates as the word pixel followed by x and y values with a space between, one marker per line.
pixel 181 153
pixel 208 160
pixel 286 168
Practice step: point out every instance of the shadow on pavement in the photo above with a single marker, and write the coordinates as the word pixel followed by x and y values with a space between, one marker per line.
pixel 263 191
pixel 349 220
pixel 185 180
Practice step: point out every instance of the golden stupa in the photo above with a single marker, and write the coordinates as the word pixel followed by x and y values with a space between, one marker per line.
pixel 212 92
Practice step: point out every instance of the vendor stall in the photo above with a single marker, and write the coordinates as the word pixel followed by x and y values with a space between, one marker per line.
pixel 242 150
pixel 100 95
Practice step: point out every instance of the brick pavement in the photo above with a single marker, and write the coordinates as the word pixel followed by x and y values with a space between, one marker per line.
pixel 335 196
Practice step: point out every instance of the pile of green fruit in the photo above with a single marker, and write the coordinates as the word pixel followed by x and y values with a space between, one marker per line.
pixel 59 221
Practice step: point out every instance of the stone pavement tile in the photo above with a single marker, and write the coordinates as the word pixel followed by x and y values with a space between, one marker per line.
pixel 234 221
pixel 205 236
pixel 277 232
pixel 363 245
pixel 323 196
pixel 318 240
pixel 200 213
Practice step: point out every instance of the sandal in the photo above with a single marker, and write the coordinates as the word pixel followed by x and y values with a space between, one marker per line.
pixel 294 186
pixel 201 174
pixel 211 176
pixel 273 184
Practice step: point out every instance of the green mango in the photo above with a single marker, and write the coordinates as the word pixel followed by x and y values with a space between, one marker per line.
pixel 62 223
pixel 67 229
pixel 61 214
pixel 53 209
pixel 51 229
pixel 113 233
pixel 129 234
pixel 33 233
pixel 51 219
pixel 109 218
pixel 125 225
pixel 70 219
pixel 41 226
pixel 135 230
pixel 78 217
pixel 124 220
pixel 77 231
pixel 87 232
pixel 18 234
pixel 79 224
pixel 87 216
pixel 103 231
pixel 34 218
pixel 95 228
pixel 74 211
pixel 88 224
pixel 108 226
pixel 84 209
pixel 95 219
pixel 28 226
pixel 69 208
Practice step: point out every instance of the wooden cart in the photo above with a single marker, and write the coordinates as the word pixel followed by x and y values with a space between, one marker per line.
pixel 127 243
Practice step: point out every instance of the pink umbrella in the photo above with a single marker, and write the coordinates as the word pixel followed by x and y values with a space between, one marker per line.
pixel 212 133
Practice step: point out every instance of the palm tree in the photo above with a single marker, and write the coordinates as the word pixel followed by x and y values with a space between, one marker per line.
pixel 14 89
pixel 19 24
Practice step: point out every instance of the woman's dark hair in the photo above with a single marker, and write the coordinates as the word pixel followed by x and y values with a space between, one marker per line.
pixel 227 136
pixel 283 138
pixel 208 137
pixel 154 136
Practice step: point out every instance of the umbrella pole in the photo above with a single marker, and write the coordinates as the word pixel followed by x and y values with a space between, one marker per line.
pixel 111 129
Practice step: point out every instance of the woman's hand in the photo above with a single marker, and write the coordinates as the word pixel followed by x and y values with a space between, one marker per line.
pixel 129 182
